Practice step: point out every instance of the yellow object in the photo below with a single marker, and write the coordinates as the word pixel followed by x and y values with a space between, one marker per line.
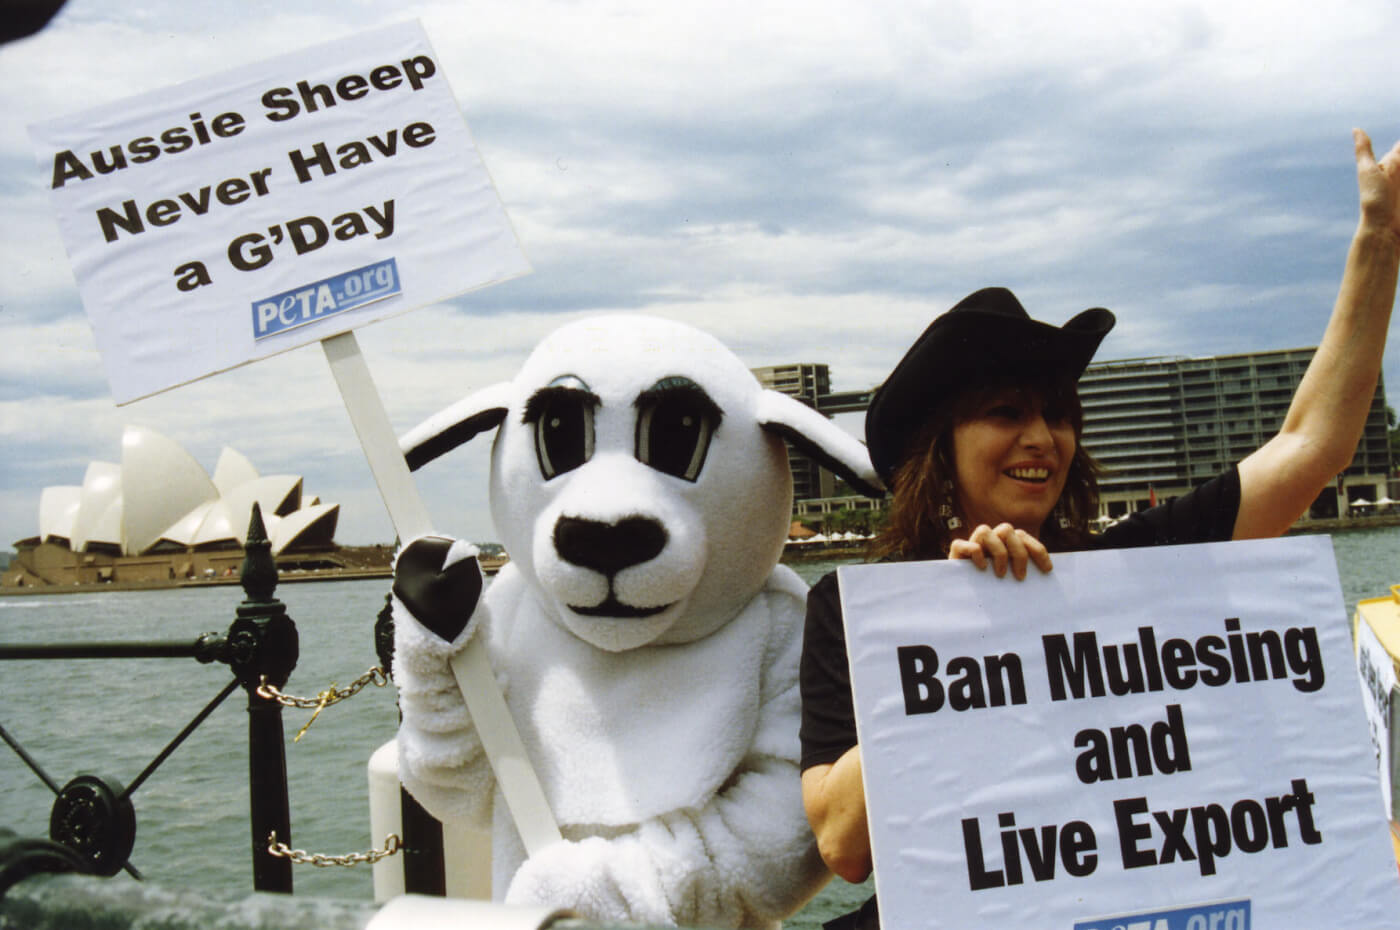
pixel 1382 615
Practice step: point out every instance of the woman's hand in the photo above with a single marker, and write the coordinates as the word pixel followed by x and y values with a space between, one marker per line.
pixel 1005 546
pixel 1379 185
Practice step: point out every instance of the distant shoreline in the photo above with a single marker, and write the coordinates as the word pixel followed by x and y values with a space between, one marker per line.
pixel 489 564
pixel 183 583
pixel 793 552
pixel 804 552
pixel 1332 524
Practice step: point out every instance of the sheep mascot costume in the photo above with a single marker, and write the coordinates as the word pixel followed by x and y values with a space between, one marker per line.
pixel 645 636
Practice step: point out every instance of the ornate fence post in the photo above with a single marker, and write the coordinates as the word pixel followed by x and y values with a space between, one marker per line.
pixel 266 641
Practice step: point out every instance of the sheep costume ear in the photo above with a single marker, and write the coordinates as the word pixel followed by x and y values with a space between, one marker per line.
pixel 817 436
pixel 452 426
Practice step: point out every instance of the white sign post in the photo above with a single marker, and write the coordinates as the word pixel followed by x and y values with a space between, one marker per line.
pixel 221 221
pixel 1163 739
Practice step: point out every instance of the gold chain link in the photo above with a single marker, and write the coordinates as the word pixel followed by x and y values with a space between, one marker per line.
pixel 392 845
pixel 376 676
pixel 332 695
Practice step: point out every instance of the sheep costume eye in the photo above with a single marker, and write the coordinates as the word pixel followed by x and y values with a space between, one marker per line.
pixel 562 414
pixel 675 420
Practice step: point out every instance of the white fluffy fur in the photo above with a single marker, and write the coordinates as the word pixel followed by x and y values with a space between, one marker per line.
pixel 666 745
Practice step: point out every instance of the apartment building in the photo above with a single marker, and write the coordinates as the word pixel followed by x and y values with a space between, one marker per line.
pixel 1163 425
pixel 806 382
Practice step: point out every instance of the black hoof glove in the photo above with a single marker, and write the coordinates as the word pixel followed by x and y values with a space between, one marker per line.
pixel 442 599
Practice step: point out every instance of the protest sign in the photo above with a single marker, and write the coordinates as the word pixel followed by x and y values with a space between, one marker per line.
pixel 226 219
pixel 1165 739
pixel 221 221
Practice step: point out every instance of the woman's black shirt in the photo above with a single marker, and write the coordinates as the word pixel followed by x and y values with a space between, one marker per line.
pixel 1204 514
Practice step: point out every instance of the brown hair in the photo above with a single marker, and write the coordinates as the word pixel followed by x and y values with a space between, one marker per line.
pixel 922 479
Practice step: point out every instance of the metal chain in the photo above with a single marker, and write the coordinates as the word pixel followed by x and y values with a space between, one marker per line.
pixel 392 845
pixel 332 695
pixel 375 676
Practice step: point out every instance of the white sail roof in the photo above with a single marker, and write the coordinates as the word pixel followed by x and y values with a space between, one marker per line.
pixel 159 494
pixel 233 469
pixel 185 531
pixel 315 524
pixel 275 494
pixel 102 484
pixel 58 507
pixel 219 527
pixel 161 483
pixel 108 528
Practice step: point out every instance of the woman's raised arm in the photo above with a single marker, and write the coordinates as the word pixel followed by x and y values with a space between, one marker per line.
pixel 1325 420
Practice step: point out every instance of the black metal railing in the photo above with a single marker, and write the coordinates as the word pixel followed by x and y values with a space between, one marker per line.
pixel 92 825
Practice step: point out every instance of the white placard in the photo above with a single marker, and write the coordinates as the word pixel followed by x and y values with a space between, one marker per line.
pixel 223 220
pixel 1204 786
pixel 1378 683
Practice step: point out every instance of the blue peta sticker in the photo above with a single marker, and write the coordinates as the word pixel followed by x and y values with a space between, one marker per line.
pixel 320 299
pixel 1225 915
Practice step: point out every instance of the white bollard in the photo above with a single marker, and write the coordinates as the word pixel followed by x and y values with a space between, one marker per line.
pixel 466 851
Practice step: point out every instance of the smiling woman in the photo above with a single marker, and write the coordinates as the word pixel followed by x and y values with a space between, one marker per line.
pixel 1015 455
pixel 977 432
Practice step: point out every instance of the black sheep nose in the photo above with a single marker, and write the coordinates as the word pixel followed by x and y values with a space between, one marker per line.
pixel 608 547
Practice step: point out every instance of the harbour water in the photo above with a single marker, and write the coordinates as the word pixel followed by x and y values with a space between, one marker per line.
pixel 114 716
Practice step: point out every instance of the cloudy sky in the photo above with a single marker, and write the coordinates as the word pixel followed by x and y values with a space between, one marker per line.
pixel 809 181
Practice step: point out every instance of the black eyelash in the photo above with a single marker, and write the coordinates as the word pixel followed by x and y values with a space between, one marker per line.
pixel 675 386
pixel 541 398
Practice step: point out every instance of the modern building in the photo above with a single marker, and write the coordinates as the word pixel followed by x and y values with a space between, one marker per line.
pixel 1163 425
pixel 807 382
pixel 816 493
pixel 160 516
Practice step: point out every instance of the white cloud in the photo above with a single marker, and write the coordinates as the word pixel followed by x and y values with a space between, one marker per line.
pixel 809 181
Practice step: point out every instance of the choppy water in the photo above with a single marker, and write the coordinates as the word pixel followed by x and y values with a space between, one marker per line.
pixel 114 716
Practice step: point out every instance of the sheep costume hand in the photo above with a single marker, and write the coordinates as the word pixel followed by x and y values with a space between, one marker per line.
pixel 645 636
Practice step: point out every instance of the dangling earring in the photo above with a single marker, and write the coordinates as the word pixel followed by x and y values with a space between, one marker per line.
pixel 1064 521
pixel 945 509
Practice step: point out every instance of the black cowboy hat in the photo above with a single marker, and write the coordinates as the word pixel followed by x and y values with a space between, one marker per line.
pixel 987 332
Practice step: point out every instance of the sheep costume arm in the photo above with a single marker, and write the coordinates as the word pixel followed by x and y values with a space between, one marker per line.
pixel 441 760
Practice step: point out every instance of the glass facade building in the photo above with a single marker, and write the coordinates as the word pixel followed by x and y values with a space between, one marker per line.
pixel 1163 425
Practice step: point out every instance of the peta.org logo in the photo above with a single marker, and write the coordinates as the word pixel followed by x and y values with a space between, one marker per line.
pixel 1226 915
pixel 320 299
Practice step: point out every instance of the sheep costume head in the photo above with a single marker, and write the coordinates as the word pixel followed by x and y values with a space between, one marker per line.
pixel 647 638
pixel 639 479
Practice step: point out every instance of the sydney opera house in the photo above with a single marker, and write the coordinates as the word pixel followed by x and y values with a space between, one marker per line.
pixel 159 516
